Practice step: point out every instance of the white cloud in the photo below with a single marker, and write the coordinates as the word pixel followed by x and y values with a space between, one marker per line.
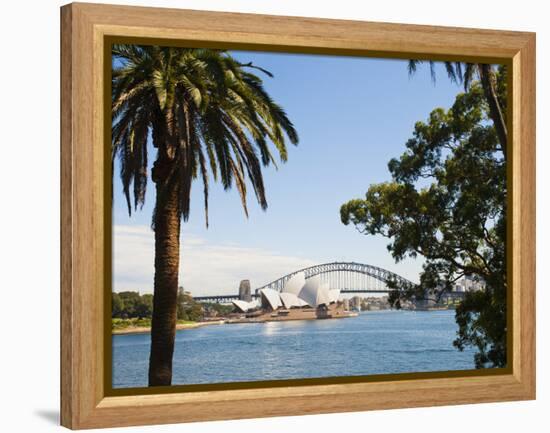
pixel 205 268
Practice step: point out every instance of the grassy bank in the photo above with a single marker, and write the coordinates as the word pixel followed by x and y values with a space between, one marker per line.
pixel 140 326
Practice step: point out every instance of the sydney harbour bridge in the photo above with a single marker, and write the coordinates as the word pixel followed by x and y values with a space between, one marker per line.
pixel 348 277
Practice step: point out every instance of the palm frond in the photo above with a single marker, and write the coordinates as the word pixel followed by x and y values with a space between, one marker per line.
pixel 207 112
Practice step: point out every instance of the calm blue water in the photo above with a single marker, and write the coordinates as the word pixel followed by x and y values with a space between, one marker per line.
pixel 372 343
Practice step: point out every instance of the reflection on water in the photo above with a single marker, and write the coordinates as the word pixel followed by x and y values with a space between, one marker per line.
pixel 270 328
pixel 372 343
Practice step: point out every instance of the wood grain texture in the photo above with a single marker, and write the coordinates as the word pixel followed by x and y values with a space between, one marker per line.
pixel 84 27
pixel 524 221
pixel 67 388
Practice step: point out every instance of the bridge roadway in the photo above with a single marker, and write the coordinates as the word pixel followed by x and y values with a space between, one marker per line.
pixel 226 299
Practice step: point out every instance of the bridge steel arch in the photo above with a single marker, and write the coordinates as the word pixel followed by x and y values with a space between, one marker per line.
pixel 380 274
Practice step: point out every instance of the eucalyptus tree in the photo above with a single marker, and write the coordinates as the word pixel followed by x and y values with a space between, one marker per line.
pixel 446 202
pixel 465 73
pixel 207 115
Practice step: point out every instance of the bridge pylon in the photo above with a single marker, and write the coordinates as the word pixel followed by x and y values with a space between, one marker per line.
pixel 244 291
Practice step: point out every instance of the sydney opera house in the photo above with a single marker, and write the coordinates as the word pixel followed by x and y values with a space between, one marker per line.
pixel 300 299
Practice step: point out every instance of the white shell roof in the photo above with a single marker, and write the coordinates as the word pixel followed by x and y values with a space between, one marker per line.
pixel 243 305
pixel 272 297
pixel 290 300
pixel 314 293
pixel 295 283
pixel 302 303
pixel 333 295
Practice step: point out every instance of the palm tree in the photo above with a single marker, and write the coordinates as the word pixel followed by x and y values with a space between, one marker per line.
pixel 206 113
pixel 464 73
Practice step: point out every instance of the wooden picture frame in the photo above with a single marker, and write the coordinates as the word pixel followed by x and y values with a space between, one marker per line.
pixel 85 28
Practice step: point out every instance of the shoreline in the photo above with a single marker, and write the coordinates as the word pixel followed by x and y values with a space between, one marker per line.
pixel 179 327
pixel 185 326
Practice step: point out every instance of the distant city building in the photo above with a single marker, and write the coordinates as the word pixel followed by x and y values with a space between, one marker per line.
pixel 375 303
pixel 469 283
pixel 355 303
pixel 346 304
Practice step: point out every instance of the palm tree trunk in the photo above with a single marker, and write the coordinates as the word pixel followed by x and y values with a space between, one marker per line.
pixel 495 111
pixel 167 249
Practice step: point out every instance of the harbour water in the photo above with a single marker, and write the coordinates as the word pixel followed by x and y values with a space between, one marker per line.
pixel 377 342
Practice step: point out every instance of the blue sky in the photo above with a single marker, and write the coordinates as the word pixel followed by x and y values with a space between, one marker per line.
pixel 353 115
